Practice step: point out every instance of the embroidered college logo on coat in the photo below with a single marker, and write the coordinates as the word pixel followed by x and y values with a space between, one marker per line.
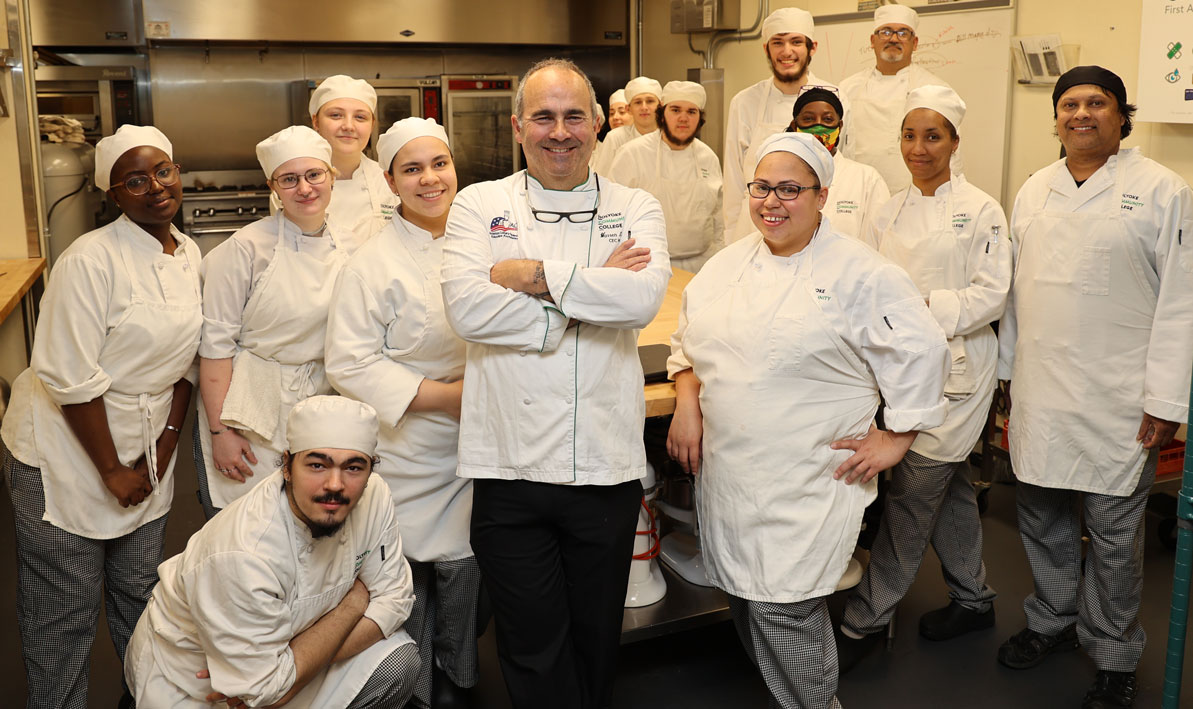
pixel 503 227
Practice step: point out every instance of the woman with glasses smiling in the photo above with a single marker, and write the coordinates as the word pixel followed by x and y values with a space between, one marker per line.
pixel 786 341
pixel 94 422
pixel 266 292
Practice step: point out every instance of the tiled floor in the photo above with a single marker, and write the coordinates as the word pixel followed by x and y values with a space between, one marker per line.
pixel 706 668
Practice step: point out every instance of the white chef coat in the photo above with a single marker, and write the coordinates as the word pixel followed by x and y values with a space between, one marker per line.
pixel 1099 326
pixel 543 401
pixel 956 248
pixel 687 184
pixel 386 332
pixel 251 580
pixel 755 113
pixel 266 291
pixel 792 354
pixel 120 320
pixel 602 163
pixel 876 110
pixel 360 205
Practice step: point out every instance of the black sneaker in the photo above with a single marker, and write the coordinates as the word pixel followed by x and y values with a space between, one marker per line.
pixel 953 620
pixel 1111 690
pixel 851 651
pixel 1027 648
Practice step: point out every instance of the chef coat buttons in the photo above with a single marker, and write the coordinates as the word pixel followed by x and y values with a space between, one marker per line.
pixel 523 353
pixel 567 399
pixel 569 353
pixel 526 401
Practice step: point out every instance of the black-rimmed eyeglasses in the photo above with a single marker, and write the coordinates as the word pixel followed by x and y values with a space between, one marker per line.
pixel 548 216
pixel 785 192
pixel 887 33
pixel 139 184
pixel 289 181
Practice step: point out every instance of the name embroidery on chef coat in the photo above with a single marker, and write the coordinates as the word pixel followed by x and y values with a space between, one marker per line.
pixel 823 296
pixel 846 206
pixel 503 228
pixel 961 220
pixel 1130 202
pixel 360 560
pixel 610 227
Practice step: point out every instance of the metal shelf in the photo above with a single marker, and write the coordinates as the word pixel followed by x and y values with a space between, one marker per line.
pixel 684 607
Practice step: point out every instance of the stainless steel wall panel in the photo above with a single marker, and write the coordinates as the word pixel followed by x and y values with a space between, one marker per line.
pixel 86 23
pixel 574 22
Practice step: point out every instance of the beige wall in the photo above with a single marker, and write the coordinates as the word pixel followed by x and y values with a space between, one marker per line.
pixel 1106 30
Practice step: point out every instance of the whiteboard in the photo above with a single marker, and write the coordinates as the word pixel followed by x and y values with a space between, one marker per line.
pixel 970 50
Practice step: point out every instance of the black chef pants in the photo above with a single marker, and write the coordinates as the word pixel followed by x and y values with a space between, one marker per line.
pixel 556 560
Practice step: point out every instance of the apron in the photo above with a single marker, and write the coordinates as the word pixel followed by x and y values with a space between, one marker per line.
pixel 690 208
pixel 418 456
pixel 145 353
pixel 1084 310
pixel 778 388
pixel 285 321
pixel 874 125
pixel 761 131
pixel 937 260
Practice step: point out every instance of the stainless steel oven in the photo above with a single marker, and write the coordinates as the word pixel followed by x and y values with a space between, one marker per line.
pixel 478 124
pixel 102 98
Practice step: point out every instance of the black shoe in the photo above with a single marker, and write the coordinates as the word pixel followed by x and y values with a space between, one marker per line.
pixel 851 651
pixel 953 620
pixel 446 694
pixel 1027 648
pixel 1111 690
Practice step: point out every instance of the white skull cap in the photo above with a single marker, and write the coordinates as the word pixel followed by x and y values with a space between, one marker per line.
pixel 290 143
pixel 341 86
pixel 804 146
pixel 617 97
pixel 941 99
pixel 404 131
pixel 642 85
pixel 332 422
pixel 109 150
pixel 896 15
pixel 789 20
pixel 685 91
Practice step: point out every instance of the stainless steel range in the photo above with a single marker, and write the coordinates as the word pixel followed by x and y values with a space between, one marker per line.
pixel 212 213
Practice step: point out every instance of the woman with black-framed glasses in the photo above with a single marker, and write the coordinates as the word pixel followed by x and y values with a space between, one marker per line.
pixel 266 293
pixel 94 422
pixel 786 340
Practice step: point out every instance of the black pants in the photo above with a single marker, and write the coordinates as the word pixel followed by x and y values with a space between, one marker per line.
pixel 555 561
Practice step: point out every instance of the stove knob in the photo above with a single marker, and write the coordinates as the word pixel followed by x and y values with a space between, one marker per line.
pixel 211 211
pixel 240 211
pixel 198 212
pixel 253 211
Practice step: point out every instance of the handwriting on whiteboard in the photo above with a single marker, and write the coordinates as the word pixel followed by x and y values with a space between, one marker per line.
pixel 933 50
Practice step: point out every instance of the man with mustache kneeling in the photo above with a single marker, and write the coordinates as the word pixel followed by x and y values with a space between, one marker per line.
pixel 296 593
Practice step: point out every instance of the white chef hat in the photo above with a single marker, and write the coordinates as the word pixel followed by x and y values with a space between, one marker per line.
pixel 896 15
pixel 127 137
pixel 804 146
pixel 332 422
pixel 290 143
pixel 404 131
pixel 617 97
pixel 341 86
pixel 941 99
pixel 685 91
pixel 789 20
pixel 642 85
pixel 601 113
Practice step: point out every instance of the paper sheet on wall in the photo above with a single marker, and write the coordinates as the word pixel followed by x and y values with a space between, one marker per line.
pixel 1166 62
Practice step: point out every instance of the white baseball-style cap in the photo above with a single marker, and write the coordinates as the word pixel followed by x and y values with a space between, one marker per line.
pixel 127 137
pixel 290 143
pixel 341 86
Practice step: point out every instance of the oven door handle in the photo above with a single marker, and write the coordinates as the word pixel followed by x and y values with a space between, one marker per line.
pixel 208 231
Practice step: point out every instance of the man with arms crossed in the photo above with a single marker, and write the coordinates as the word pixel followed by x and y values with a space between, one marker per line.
pixel 548 274
pixel 295 594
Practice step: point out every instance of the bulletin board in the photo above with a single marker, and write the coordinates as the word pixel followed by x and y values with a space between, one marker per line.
pixel 967 45
pixel 1166 62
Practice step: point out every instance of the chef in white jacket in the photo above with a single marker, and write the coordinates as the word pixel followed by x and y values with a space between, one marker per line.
pixel 296 594
pixel 858 190
pixel 952 240
pixel 93 424
pixel 548 274
pixel 761 110
pixel 876 95
pixel 619 109
pixel 1098 344
pixel 390 346
pixel 786 341
pixel 266 292
pixel 642 96
pixel 343 111
pixel 683 173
